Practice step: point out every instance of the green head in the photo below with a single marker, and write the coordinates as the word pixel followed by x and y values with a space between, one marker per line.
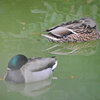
pixel 17 62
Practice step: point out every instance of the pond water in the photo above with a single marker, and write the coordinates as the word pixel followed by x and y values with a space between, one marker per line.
pixel 77 76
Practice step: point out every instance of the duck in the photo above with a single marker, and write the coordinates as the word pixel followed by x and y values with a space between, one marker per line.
pixel 84 29
pixel 25 70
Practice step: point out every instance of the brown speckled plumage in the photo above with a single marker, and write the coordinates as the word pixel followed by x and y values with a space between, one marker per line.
pixel 84 29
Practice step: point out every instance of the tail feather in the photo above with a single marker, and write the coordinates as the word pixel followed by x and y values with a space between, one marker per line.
pixel 55 65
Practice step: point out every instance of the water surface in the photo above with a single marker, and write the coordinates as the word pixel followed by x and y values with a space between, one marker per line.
pixel 21 25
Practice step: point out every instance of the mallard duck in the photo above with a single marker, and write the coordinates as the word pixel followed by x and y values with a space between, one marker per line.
pixel 24 70
pixel 84 29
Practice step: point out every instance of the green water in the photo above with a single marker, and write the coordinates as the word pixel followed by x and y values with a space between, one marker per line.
pixel 78 71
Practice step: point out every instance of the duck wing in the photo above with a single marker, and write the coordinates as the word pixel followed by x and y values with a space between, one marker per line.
pixel 61 30
pixel 38 64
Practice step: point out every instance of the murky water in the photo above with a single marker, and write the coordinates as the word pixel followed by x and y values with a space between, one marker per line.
pixel 78 71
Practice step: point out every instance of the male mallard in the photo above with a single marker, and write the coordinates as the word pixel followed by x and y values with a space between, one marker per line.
pixel 74 31
pixel 23 70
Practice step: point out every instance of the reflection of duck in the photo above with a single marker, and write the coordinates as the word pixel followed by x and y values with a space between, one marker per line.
pixel 85 48
pixel 74 31
pixel 30 89
pixel 20 69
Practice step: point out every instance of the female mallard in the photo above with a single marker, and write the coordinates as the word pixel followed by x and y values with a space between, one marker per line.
pixel 74 31
pixel 23 70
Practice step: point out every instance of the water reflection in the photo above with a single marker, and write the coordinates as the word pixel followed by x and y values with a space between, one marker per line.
pixel 31 89
pixel 76 90
pixel 85 48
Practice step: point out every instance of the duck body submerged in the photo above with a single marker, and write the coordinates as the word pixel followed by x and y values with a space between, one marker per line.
pixel 84 29
pixel 29 70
